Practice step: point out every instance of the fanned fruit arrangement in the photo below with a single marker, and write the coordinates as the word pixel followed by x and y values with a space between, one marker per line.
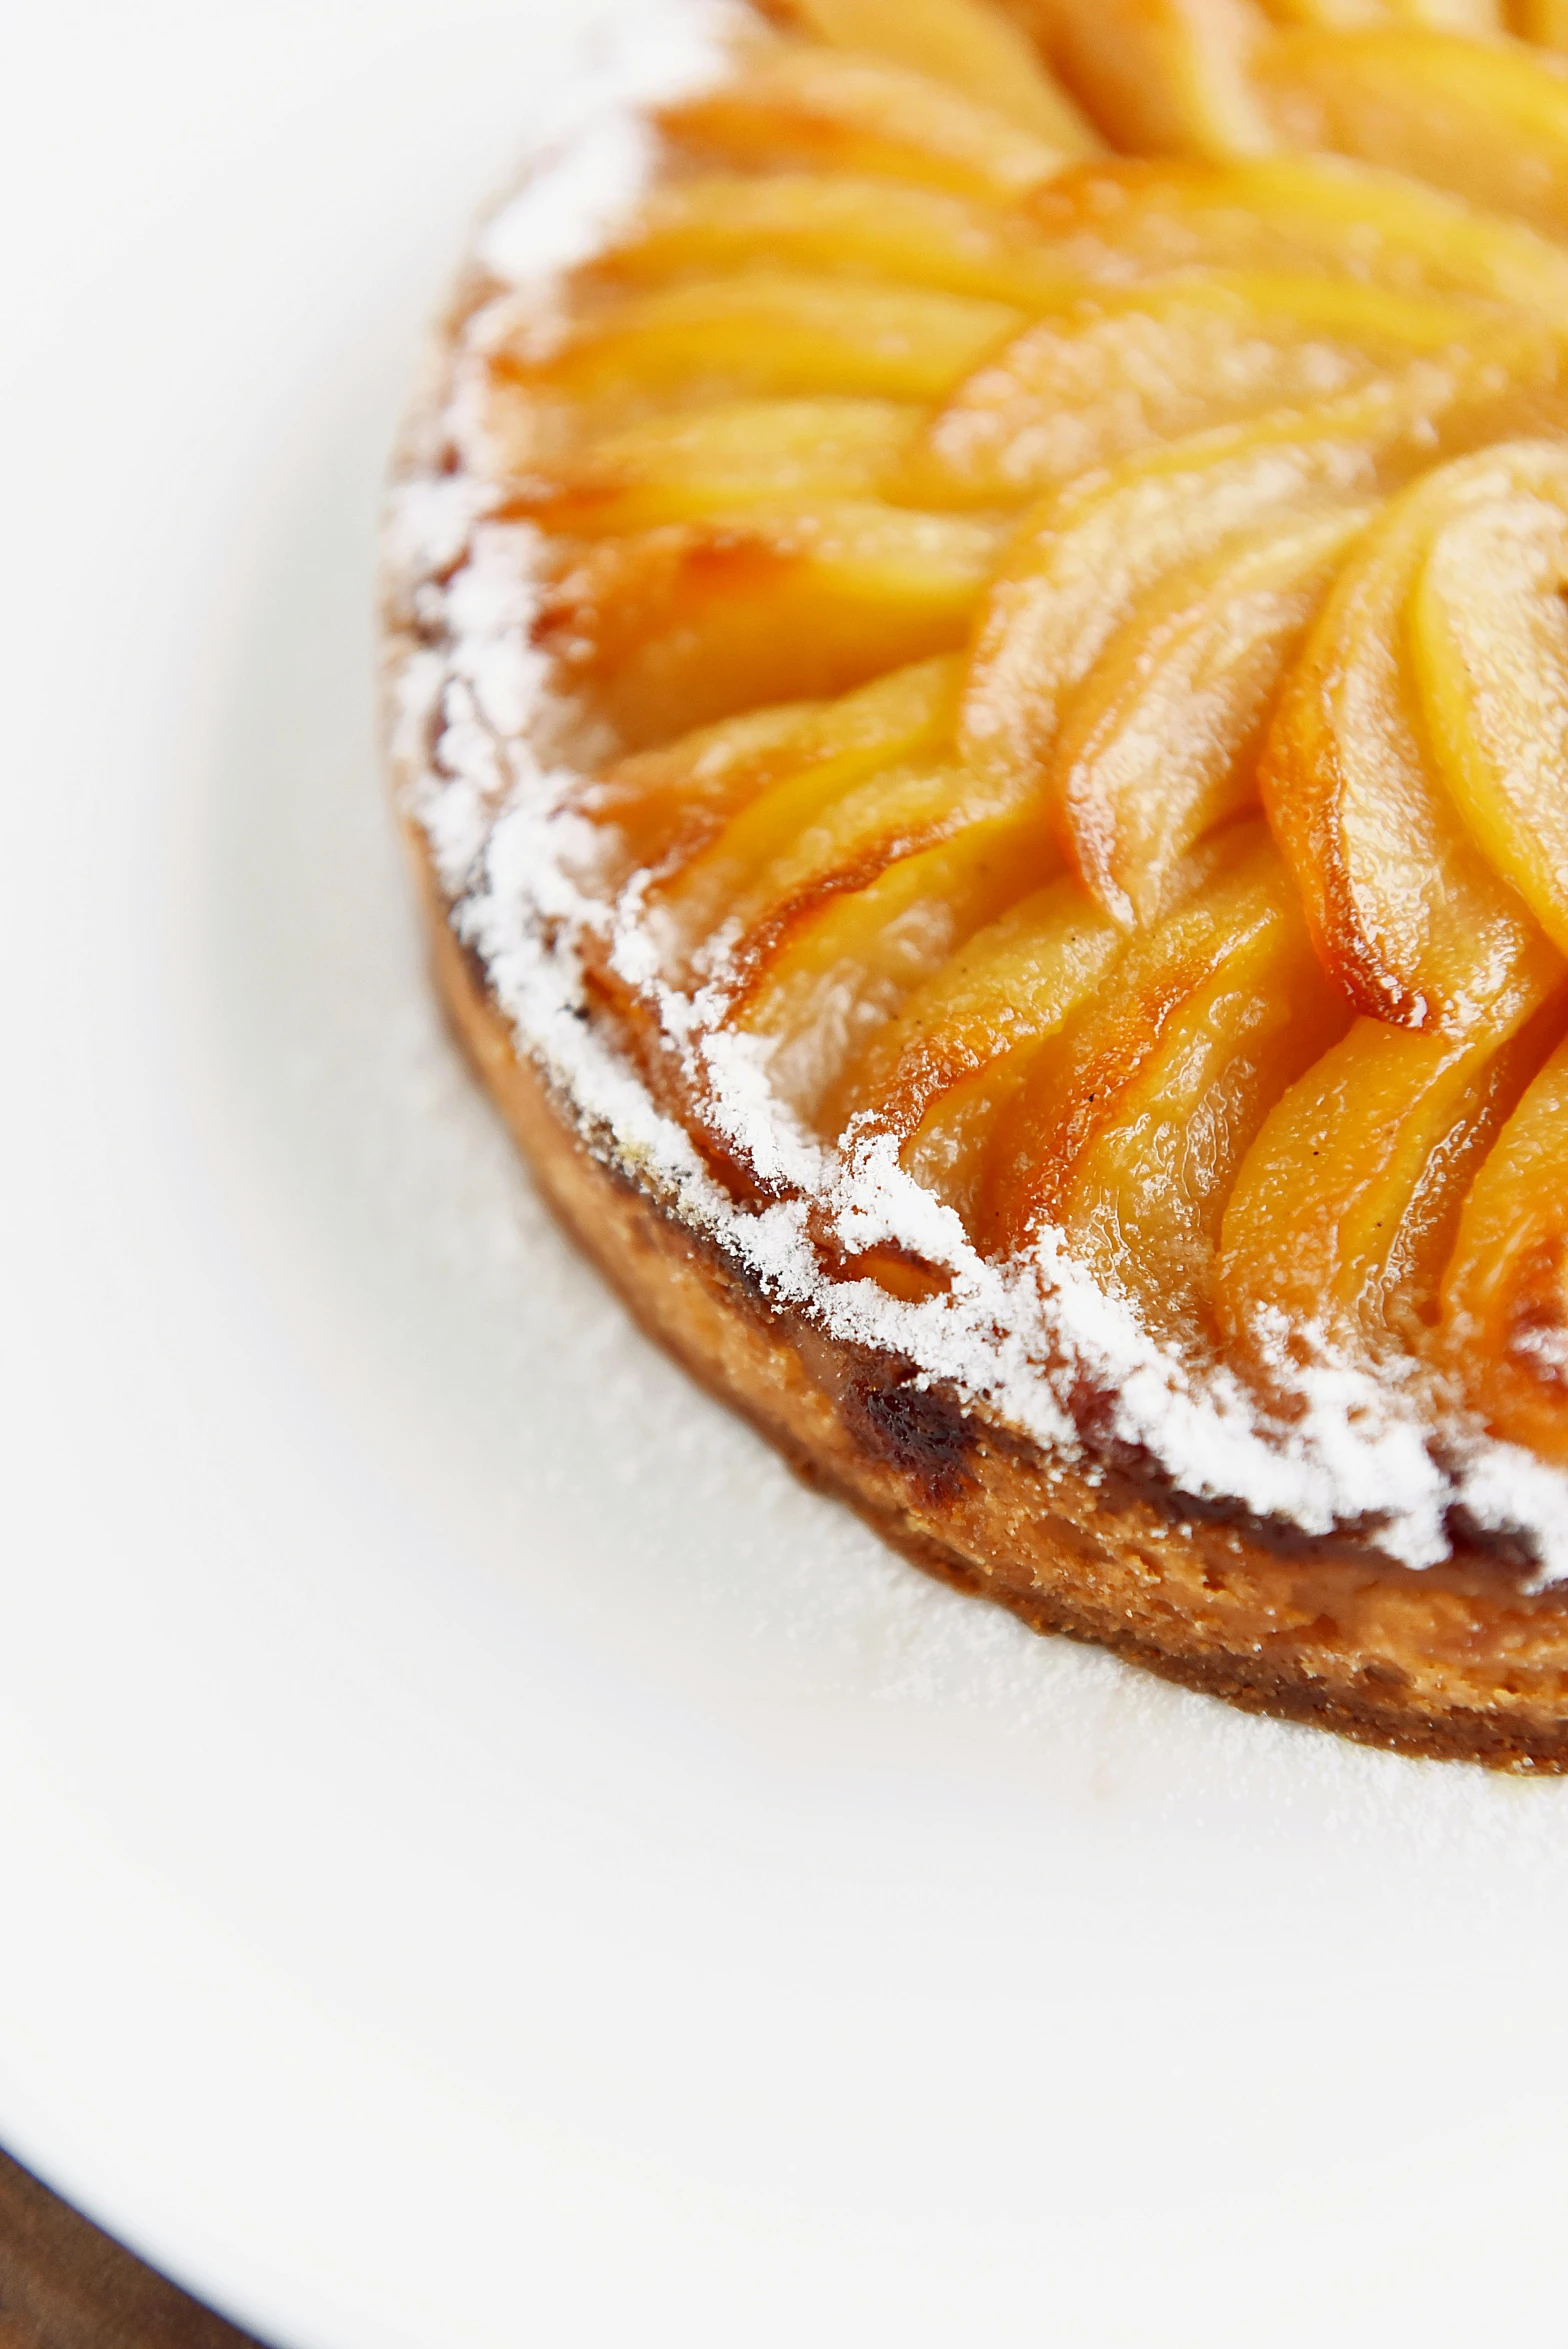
pixel 980 690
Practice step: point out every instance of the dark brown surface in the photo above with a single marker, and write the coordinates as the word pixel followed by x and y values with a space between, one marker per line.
pixel 64 2284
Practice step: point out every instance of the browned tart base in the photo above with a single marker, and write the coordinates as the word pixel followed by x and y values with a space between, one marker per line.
pixel 1456 1662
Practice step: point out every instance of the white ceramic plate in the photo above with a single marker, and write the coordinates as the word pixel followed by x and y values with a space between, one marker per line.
pixel 485 1857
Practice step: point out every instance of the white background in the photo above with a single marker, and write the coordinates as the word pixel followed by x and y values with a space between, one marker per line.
pixel 485 1858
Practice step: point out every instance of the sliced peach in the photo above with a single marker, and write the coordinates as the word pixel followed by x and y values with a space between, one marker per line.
pixel 1503 1330
pixel 794 103
pixel 1294 213
pixel 673 628
pixel 1542 21
pixel 846 965
pixel 1344 1210
pixel 1408 916
pixel 1128 1131
pixel 1176 358
pixel 969 45
pixel 1480 18
pixel 1078 566
pixel 667 804
pixel 1078 569
pixel 1160 77
pixel 1489 634
pixel 1488 119
pixel 768 331
pixel 938 1075
pixel 744 455
pixel 794 220
pixel 1159 744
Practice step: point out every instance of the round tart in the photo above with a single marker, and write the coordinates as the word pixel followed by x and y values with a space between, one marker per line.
pixel 978 685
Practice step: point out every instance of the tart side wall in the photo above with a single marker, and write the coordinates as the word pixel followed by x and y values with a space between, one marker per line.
pixel 1456 1663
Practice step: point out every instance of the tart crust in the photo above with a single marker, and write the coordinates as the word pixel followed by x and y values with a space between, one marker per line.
pixel 1455 1662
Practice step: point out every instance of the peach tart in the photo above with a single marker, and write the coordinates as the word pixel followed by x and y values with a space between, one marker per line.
pixel 977 674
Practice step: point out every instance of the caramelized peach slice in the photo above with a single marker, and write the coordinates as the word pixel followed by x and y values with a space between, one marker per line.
pixel 967 44
pixel 1077 569
pixel 829 221
pixel 1159 744
pixel 1130 1127
pixel 1345 1208
pixel 770 331
pixel 1178 358
pixel 1488 119
pixel 1504 1325
pixel 796 104
pixel 744 455
pixel 1490 641
pixel 675 627
pixel 667 804
pixel 1407 915
pixel 1542 21
pixel 1477 17
pixel 939 1074
pixel 848 965
pixel 1297 213
pixel 1160 77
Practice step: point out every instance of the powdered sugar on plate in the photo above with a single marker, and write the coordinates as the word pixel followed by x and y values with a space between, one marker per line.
pixel 472 727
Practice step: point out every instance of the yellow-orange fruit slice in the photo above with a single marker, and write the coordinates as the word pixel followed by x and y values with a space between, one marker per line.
pixel 747 455
pixel 1127 1133
pixel 842 226
pixel 1074 574
pixel 1504 1325
pixel 1344 1210
pixel 667 804
pixel 1296 213
pixel 1489 632
pixel 849 963
pixel 792 103
pixel 1173 359
pixel 770 331
pixel 1407 915
pixel 937 1076
pixel 1486 118
pixel 675 627
pixel 1160 77
pixel 967 44
pixel 1159 744
pixel 1480 18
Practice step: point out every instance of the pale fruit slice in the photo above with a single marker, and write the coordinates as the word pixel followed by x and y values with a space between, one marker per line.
pixel 834 222
pixel 769 331
pixel 1128 1131
pixel 1177 358
pixel 673 628
pixel 851 962
pixel 1490 638
pixel 665 805
pixel 1295 213
pixel 1076 571
pixel 968 44
pixel 809 106
pixel 742 456
pixel 1160 77
pixel 1159 744
pixel 1504 1326
pixel 1344 1211
pixel 938 1075
pixel 1408 916
pixel 1486 118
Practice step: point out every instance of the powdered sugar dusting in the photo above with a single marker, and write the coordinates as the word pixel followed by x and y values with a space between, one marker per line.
pixel 472 726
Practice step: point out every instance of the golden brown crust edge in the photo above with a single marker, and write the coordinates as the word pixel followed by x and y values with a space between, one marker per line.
pixel 1453 1663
